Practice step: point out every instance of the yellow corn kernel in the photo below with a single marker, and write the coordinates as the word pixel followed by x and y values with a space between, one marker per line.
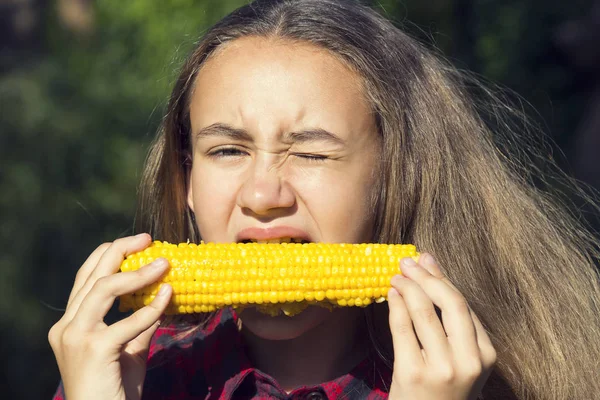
pixel 272 277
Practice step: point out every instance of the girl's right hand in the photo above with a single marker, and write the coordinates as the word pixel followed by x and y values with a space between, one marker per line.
pixel 97 361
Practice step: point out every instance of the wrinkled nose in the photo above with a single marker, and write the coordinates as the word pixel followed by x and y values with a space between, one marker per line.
pixel 265 193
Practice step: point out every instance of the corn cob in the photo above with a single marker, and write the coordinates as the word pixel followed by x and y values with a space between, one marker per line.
pixel 272 277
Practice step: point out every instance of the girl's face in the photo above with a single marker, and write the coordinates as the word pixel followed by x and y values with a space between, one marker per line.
pixel 284 146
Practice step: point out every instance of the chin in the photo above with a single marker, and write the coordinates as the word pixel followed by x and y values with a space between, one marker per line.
pixel 283 327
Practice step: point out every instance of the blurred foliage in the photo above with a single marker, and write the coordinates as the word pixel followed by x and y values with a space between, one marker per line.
pixel 76 120
pixel 512 43
pixel 78 111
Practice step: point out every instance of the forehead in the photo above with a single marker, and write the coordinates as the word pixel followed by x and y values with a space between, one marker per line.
pixel 254 79
pixel 280 53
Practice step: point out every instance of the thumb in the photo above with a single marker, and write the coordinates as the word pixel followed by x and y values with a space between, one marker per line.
pixel 140 345
pixel 136 330
pixel 133 362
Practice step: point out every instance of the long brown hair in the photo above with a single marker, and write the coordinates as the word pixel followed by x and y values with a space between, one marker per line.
pixel 455 180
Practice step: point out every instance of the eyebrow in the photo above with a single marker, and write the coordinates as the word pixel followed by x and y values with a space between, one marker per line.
pixel 303 136
pixel 223 130
pixel 312 135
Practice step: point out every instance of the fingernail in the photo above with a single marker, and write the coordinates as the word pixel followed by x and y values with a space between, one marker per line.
pixel 392 293
pixel 164 289
pixel 396 279
pixel 159 263
pixel 140 235
pixel 427 259
pixel 409 263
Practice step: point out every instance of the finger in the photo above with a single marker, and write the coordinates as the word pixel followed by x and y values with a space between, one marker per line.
pixel 483 340
pixel 141 344
pixel 102 296
pixel 428 262
pixel 456 316
pixel 143 319
pixel 109 263
pixel 407 351
pixel 425 320
pixel 111 260
pixel 86 269
pixel 486 347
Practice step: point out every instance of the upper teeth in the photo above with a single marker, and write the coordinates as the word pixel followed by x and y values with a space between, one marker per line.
pixel 278 240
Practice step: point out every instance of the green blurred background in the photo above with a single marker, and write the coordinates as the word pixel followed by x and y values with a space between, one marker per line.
pixel 83 86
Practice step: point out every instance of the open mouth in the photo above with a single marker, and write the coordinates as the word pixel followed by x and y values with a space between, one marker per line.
pixel 277 240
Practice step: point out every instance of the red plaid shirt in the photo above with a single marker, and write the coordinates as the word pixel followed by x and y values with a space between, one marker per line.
pixel 211 364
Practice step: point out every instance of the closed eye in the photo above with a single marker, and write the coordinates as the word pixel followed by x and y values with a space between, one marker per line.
pixel 311 157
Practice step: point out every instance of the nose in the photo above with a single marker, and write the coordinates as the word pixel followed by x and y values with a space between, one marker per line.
pixel 265 193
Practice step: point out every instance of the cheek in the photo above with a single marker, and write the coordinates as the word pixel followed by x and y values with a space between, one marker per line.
pixel 214 199
pixel 340 204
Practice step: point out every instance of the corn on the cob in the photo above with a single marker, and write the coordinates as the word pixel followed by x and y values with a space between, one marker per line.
pixel 273 277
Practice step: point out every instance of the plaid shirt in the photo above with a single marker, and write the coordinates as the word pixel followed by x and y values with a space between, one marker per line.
pixel 212 364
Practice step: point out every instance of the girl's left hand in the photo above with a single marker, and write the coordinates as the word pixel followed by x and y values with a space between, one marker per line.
pixel 453 360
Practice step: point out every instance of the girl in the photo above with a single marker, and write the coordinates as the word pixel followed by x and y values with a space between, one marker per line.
pixel 319 120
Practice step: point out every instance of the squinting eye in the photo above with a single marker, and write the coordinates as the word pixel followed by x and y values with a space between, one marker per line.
pixel 311 157
pixel 226 152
